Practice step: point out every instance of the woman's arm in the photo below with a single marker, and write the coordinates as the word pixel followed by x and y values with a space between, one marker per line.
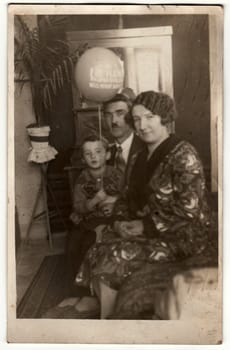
pixel 182 202
pixel 188 186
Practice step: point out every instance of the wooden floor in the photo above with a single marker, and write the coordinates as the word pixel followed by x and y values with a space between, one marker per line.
pixel 29 258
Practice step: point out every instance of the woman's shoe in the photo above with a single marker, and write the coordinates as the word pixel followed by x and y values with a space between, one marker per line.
pixel 64 312
pixel 87 307
pixel 83 308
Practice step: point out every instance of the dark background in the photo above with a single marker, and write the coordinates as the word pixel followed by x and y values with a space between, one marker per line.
pixel 190 44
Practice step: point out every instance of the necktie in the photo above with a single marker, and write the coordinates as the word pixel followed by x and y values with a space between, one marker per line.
pixel 119 160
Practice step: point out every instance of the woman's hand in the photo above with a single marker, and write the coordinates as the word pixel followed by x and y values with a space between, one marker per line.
pixel 134 227
pixel 128 229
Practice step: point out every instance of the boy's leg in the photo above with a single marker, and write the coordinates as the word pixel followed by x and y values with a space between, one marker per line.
pixel 78 243
pixel 72 248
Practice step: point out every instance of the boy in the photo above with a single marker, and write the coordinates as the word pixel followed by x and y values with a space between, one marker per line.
pixel 95 192
pixel 97 186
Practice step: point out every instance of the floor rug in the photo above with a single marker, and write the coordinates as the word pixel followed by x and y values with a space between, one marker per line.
pixel 46 289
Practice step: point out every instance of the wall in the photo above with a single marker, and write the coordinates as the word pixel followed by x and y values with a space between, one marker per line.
pixel 190 43
pixel 27 175
pixel 191 90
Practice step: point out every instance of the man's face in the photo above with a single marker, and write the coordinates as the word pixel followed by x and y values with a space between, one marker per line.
pixel 115 113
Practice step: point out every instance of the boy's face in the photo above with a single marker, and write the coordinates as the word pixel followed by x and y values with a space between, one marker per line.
pixel 95 154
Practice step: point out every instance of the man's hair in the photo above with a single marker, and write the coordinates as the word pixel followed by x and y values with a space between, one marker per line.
pixel 95 138
pixel 126 95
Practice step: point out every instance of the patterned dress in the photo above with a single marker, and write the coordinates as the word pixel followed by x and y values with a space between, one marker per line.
pixel 170 189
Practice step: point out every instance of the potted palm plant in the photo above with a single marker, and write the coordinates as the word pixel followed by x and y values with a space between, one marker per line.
pixel 43 60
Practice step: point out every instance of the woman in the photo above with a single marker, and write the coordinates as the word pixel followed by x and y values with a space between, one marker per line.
pixel 164 218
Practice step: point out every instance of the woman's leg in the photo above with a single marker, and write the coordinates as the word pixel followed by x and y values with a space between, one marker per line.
pixel 107 298
pixel 90 303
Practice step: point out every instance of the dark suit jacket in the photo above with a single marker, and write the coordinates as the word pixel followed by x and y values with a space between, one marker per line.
pixel 136 146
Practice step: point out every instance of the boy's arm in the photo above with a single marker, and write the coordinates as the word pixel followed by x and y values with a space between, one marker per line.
pixel 80 200
pixel 82 205
pixel 91 203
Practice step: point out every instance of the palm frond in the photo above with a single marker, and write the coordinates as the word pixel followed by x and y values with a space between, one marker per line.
pixel 53 83
pixel 44 59
pixel 55 23
pixel 66 68
pixel 24 30
pixel 61 75
pixel 47 96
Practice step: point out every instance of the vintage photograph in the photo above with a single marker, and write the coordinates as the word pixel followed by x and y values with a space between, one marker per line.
pixel 115 174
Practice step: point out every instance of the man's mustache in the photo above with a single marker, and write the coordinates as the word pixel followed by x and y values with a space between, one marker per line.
pixel 114 125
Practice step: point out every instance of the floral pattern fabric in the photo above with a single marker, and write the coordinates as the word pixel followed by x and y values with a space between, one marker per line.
pixel 170 190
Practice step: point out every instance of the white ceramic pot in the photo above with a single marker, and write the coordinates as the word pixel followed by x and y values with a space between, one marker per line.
pixel 41 151
pixel 39 136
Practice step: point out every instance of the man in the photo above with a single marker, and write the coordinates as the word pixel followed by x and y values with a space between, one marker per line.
pixel 124 152
pixel 119 121
pixel 127 144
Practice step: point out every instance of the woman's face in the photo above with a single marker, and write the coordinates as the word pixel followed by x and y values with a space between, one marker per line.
pixel 148 125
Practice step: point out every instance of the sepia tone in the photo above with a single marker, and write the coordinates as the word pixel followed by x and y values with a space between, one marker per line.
pixel 177 50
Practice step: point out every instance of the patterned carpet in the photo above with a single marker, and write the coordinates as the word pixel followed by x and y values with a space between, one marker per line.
pixel 47 287
pixel 46 290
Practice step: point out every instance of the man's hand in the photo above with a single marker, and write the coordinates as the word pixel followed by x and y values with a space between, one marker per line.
pixel 107 209
pixel 141 213
pixel 107 205
pixel 75 218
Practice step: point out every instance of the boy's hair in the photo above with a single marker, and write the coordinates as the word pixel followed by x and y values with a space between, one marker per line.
pixel 95 138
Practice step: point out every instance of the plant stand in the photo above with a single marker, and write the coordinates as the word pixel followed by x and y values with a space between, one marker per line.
pixel 42 192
